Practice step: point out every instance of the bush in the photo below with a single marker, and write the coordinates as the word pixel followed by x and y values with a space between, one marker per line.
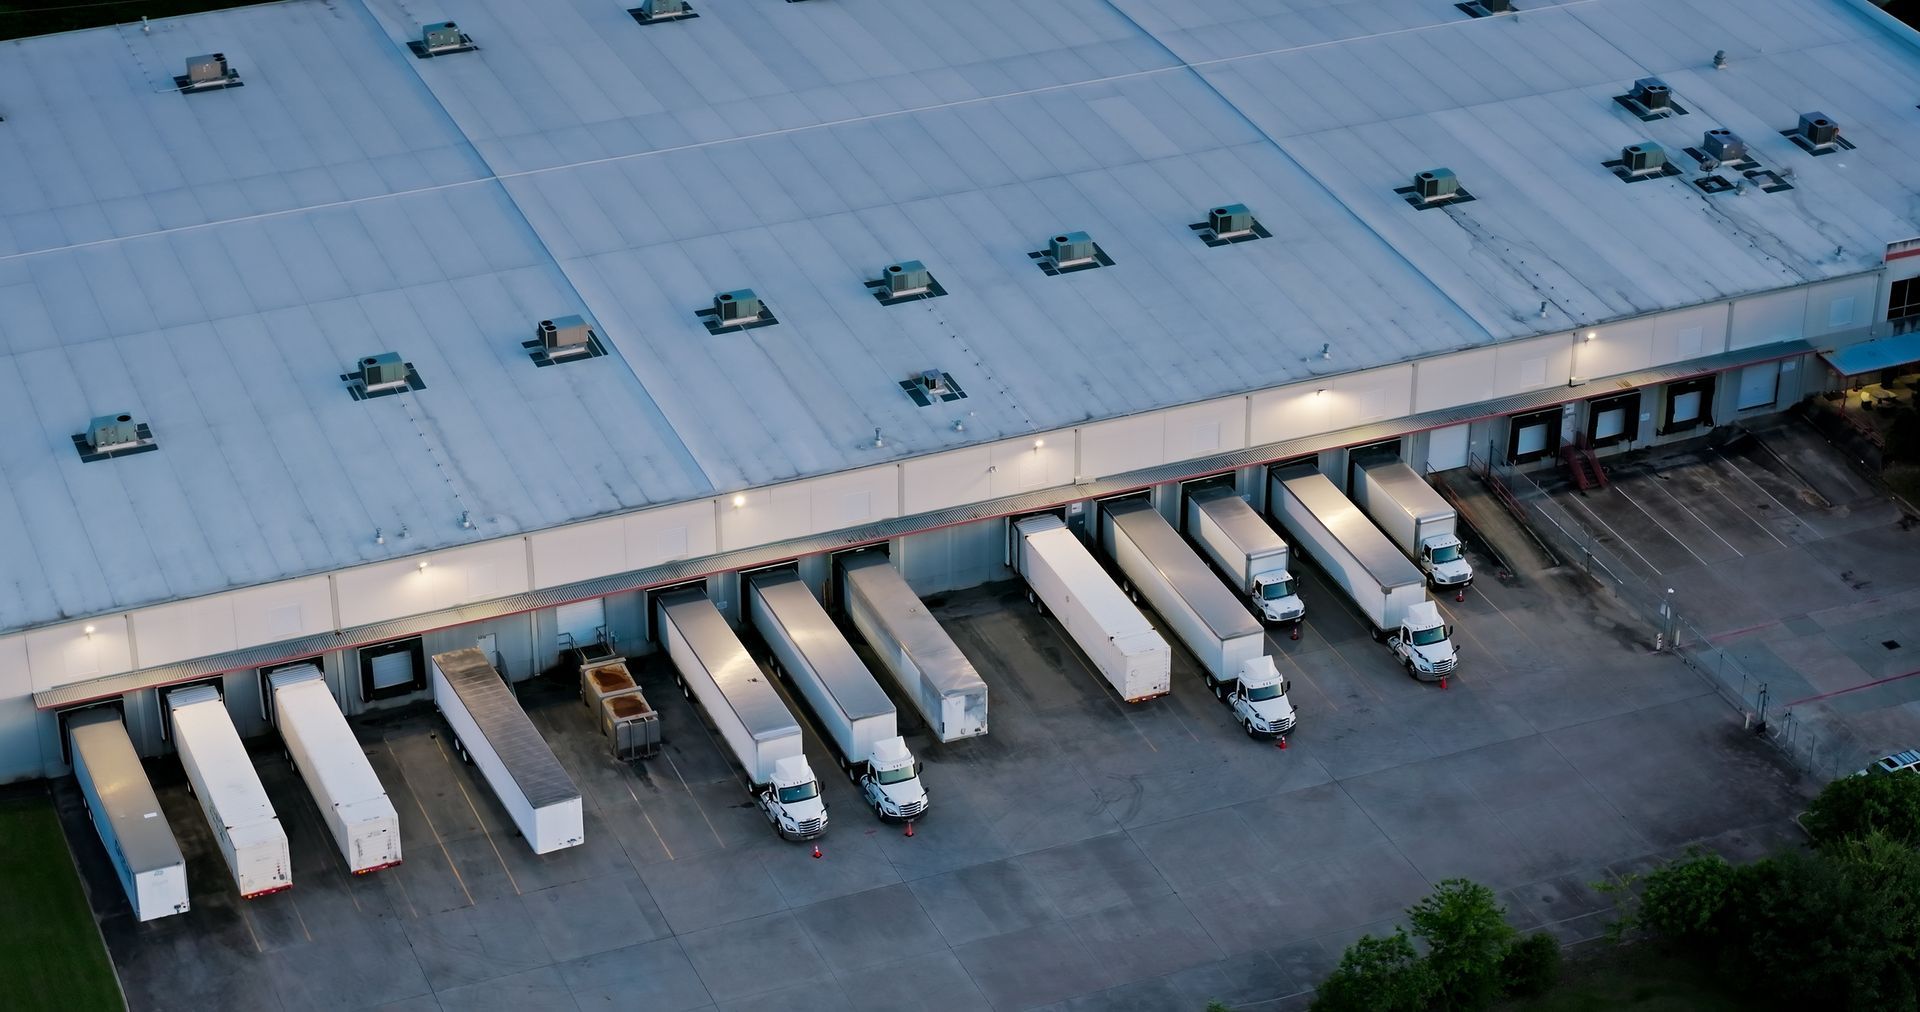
pixel 1378 975
pixel 1853 807
pixel 1530 966
pixel 1685 901
pixel 1467 933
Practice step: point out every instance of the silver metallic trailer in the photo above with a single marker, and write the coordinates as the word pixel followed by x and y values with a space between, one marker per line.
pixel 716 672
pixel 124 811
pixel 915 650
pixel 858 718
pixel 223 780
pixel 352 801
pixel 1113 634
pixel 493 733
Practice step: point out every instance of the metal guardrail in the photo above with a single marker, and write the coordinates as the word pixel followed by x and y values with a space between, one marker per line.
pixel 1826 752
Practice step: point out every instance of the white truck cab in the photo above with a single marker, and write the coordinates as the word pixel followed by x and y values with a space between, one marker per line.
pixel 1259 699
pixel 891 781
pixel 792 800
pixel 1424 643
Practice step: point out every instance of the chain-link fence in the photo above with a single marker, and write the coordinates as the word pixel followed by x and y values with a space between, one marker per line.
pixel 1826 752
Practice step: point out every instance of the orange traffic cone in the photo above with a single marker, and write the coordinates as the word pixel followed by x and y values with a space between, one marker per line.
pixel 816 850
pixel 909 827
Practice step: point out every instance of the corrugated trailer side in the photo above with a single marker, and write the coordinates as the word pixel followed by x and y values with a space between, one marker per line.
pixel 507 749
pixel 224 782
pixel 352 801
pixel 126 814
pixel 922 659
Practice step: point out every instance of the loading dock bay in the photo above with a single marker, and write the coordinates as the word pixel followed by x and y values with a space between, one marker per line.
pixel 1085 853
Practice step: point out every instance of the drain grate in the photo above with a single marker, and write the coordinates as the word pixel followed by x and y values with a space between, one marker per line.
pixel 1890 644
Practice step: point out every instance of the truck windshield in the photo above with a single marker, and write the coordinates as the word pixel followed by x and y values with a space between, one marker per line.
pixel 1447 554
pixel 899 776
pixel 1264 692
pixel 1278 589
pixel 1428 637
pixel 799 792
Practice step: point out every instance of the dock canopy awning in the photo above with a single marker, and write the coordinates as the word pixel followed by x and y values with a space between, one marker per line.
pixel 1873 356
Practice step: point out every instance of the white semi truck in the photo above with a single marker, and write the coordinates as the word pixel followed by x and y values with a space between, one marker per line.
pixel 1380 582
pixel 858 718
pixel 715 671
pixel 224 782
pixel 1247 549
pixel 1415 517
pixel 1066 580
pixel 492 732
pixel 1229 643
pixel 352 801
pixel 923 660
pixel 124 811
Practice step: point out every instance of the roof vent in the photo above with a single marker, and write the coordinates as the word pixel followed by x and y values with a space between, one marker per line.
pixel 1644 160
pixel 1818 134
pixel 113 436
pixel 932 387
pixel 207 73
pixel 1650 99
pixel 440 39
pixel 563 339
pixel 1434 188
pixel 652 12
pixel 1230 223
pixel 381 375
pixel 736 310
pixel 1723 145
pixel 1485 8
pixel 1071 251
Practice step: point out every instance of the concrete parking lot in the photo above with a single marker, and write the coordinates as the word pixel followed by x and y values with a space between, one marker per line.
pixel 1779 552
pixel 1086 854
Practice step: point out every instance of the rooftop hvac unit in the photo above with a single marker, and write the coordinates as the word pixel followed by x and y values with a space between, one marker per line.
pixel 110 432
pixel 1436 184
pixel 663 8
pixel 1652 93
pixel 383 370
pixel 564 334
pixel 1071 248
pixel 908 277
pixel 1723 145
pixel 441 37
pixel 736 306
pixel 1818 129
pixel 1645 156
pixel 934 382
pixel 1233 219
pixel 205 70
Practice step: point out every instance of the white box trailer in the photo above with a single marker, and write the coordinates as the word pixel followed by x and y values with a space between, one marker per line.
pixel 493 733
pixel 923 660
pixel 1109 629
pixel 223 780
pixel 1160 567
pixel 1250 552
pixel 352 801
pixel 124 811
pixel 716 671
pixel 1388 591
pixel 1416 517
pixel 858 718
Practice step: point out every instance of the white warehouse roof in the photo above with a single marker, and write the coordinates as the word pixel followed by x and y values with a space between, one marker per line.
pixel 213 263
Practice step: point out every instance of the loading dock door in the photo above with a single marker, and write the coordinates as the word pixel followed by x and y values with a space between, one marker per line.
pixel 1447 448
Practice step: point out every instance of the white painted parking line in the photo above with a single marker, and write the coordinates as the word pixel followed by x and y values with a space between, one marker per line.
pixel 1662 486
pixel 1656 522
pixel 1742 472
pixel 1616 536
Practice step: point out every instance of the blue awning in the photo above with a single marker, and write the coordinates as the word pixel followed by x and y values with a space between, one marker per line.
pixel 1873 356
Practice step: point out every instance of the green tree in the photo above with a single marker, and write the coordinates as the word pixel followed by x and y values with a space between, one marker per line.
pixel 1378 975
pixel 1855 806
pixel 1530 966
pixel 1685 901
pixel 1467 933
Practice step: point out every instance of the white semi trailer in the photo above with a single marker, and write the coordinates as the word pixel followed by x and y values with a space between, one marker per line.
pixel 492 732
pixel 124 811
pixel 858 718
pixel 1160 567
pixel 1415 517
pixel 716 672
pixel 223 780
pixel 1247 549
pixel 923 660
pixel 1380 582
pixel 1113 634
pixel 352 801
